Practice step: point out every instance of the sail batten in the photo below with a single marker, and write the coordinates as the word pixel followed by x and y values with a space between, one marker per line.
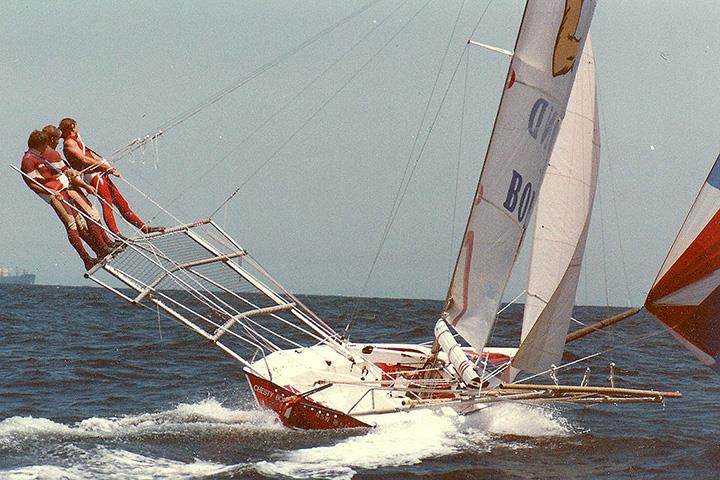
pixel 532 107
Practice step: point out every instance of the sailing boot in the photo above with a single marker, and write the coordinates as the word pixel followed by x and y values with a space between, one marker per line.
pixel 147 229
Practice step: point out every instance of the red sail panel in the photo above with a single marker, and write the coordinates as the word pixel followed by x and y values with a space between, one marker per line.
pixel 686 295
pixel 694 326
pixel 701 259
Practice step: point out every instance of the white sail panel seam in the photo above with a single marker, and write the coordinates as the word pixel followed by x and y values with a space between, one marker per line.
pixel 517 224
pixel 547 95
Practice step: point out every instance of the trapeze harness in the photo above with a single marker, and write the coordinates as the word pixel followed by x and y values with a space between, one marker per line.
pixel 91 177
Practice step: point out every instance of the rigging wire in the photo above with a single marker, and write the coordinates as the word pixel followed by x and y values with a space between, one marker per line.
pixel 400 194
pixel 321 108
pixel 217 96
pixel 404 184
pixel 614 196
pixel 287 104
pixel 603 246
pixel 457 167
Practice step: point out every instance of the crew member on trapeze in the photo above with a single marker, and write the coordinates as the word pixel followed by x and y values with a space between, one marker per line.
pixel 97 171
pixel 97 239
pixel 46 178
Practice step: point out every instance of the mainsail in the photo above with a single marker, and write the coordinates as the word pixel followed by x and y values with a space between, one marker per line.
pixel 686 294
pixel 561 226
pixel 532 106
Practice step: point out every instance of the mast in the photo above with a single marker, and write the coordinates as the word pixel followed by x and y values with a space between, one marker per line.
pixel 539 80
pixel 561 226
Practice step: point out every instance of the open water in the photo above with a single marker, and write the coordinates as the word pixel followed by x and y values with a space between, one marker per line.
pixel 94 388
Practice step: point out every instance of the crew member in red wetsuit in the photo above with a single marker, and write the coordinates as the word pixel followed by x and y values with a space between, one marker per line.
pixel 53 189
pixel 97 172
pixel 91 230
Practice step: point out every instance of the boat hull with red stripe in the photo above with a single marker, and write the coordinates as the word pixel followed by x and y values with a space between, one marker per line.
pixel 296 411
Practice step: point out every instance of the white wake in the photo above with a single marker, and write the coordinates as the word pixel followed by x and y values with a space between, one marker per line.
pixel 398 440
pixel 185 418
pixel 409 437
pixel 117 464
pixel 62 459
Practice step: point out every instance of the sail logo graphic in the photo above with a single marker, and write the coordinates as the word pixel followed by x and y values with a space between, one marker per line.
pixel 543 124
pixel 566 43
pixel 519 197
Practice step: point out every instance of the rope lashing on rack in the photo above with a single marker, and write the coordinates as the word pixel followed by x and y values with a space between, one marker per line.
pixel 208 299
pixel 189 281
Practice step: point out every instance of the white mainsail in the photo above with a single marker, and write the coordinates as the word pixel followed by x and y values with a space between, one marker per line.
pixel 561 226
pixel 539 82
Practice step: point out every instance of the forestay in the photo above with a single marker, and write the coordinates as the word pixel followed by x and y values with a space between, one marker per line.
pixel 532 106
pixel 561 226
pixel 686 294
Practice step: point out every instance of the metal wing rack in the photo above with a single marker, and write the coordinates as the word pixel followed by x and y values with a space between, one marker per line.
pixel 198 275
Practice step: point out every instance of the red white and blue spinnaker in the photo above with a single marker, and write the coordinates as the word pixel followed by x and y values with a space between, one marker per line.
pixel 686 294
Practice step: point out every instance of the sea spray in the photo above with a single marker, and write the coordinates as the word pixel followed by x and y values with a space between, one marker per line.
pixel 520 420
pixel 203 417
pixel 408 438
pixel 398 439
pixel 117 464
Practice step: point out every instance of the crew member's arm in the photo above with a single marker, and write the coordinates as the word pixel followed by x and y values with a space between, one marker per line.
pixel 37 188
pixel 97 157
pixel 77 181
pixel 71 149
pixel 31 174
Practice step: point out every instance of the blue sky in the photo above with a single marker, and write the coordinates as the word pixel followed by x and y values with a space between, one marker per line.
pixel 314 214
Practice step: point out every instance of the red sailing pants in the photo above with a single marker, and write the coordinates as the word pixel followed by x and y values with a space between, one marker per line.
pixel 66 216
pixel 110 195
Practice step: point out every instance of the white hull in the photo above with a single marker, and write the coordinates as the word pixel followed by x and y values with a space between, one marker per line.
pixel 377 378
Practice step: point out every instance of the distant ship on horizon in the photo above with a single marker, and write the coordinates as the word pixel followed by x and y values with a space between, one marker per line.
pixel 19 278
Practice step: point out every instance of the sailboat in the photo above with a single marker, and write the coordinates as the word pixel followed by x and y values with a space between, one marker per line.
pixel 542 156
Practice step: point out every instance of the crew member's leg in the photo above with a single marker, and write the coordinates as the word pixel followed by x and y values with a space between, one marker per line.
pixel 93 233
pixel 123 206
pixel 106 202
pixel 72 232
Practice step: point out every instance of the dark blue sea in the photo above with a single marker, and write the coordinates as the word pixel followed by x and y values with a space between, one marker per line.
pixel 92 388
